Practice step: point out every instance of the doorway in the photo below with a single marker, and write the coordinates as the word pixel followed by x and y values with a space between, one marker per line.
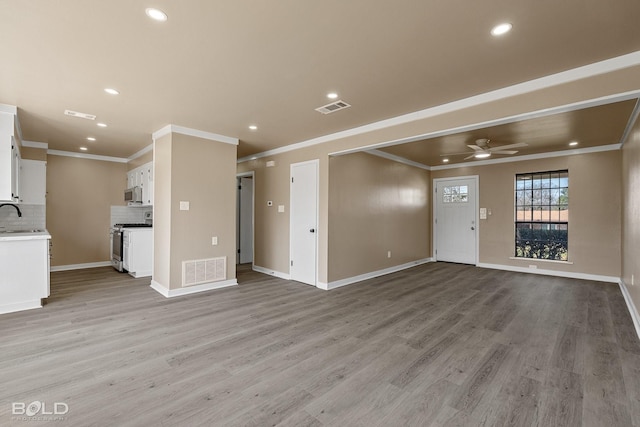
pixel 304 222
pixel 244 220
pixel 455 221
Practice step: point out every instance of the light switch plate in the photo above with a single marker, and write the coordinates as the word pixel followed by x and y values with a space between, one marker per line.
pixel 214 240
pixel 280 208
pixel 184 206
pixel 483 213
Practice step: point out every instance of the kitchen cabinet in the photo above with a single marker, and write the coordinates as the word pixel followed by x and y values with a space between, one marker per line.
pixel 137 251
pixel 9 159
pixel 33 182
pixel 142 177
pixel 24 263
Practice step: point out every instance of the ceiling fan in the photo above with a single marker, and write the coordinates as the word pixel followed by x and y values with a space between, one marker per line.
pixel 482 150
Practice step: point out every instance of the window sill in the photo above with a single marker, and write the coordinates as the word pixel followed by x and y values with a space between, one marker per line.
pixel 553 261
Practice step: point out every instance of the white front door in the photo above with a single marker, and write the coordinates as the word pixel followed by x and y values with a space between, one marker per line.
pixel 455 219
pixel 304 221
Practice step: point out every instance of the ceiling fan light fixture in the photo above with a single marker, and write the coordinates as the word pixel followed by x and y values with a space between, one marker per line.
pixel 482 155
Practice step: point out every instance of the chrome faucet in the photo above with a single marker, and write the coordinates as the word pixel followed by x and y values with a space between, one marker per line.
pixel 11 204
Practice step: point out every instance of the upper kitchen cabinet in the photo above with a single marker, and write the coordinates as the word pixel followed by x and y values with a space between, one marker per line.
pixel 142 177
pixel 9 158
pixel 33 182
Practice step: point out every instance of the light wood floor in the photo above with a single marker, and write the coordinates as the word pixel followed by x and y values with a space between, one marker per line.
pixel 439 344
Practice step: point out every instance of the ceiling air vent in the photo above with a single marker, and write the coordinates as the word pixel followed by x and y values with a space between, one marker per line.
pixel 333 107
pixel 81 115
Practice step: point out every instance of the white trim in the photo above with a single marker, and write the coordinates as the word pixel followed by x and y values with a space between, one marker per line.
pixel 316 162
pixel 588 150
pixel 145 150
pixel 366 276
pixel 631 123
pixel 9 109
pixel 194 132
pixel 253 214
pixel 398 159
pixel 87 156
pixel 170 293
pixel 20 306
pixel 633 311
pixel 33 144
pixel 271 272
pixel 550 261
pixel 434 184
pixel 80 266
pixel 569 274
pixel 586 71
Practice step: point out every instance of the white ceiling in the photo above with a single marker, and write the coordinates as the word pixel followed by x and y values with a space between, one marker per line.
pixel 219 66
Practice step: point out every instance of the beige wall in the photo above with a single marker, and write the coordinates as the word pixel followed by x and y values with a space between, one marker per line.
pixel 201 172
pixel 139 161
pixel 32 153
pixel 375 206
pixel 594 211
pixel 80 193
pixel 631 214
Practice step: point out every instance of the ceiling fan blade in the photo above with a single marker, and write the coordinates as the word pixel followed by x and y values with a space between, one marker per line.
pixel 469 157
pixel 504 151
pixel 453 154
pixel 506 147
pixel 475 147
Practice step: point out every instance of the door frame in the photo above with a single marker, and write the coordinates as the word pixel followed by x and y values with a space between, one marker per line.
pixel 435 200
pixel 291 166
pixel 253 215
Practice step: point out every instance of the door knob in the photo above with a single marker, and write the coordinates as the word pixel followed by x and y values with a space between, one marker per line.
pixel 313 230
pixel 473 228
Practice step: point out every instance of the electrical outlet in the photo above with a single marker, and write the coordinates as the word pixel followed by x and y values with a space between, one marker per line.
pixel 214 240
pixel 388 254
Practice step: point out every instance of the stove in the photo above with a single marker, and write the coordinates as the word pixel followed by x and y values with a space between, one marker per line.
pixel 132 225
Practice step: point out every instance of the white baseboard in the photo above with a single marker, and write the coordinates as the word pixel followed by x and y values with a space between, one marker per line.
pixel 80 266
pixel 270 272
pixel 631 306
pixel 355 279
pixel 569 274
pixel 20 306
pixel 170 293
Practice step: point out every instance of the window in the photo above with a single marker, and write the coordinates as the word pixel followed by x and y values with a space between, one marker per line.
pixel 455 194
pixel 542 215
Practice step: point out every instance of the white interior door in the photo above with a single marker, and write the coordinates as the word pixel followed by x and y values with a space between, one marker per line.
pixel 304 221
pixel 455 220
pixel 245 220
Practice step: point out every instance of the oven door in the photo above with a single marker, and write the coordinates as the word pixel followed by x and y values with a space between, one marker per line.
pixel 116 248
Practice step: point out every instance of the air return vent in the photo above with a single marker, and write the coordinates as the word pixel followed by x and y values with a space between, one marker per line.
pixel 80 115
pixel 333 107
pixel 196 272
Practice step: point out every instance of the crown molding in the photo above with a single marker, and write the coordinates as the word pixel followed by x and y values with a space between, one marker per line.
pixel 145 150
pixel 33 144
pixel 398 159
pixel 87 156
pixel 194 132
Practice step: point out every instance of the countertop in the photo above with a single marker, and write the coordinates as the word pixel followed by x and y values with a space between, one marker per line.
pixel 31 234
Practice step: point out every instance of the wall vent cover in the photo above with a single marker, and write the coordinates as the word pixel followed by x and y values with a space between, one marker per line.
pixel 333 107
pixel 80 115
pixel 199 271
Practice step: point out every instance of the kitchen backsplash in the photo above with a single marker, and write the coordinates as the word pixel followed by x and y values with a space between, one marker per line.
pixel 127 215
pixel 33 217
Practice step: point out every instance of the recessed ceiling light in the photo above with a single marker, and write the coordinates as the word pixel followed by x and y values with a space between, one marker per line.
pixel 482 155
pixel 501 29
pixel 156 14
pixel 445 160
pixel 84 148
pixel 90 138
pixel 253 127
pixel 573 143
pixel 102 125
pixel 111 91
pixel 332 95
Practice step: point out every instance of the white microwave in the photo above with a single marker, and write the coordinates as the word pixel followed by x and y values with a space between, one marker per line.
pixel 133 195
